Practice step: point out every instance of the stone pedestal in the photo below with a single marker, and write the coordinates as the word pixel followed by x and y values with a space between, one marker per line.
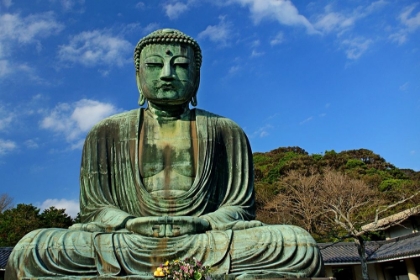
pixel 216 277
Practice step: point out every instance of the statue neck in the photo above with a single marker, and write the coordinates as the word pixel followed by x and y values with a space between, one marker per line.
pixel 168 112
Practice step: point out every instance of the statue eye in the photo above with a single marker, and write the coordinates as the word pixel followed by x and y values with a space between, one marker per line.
pixel 182 62
pixel 153 62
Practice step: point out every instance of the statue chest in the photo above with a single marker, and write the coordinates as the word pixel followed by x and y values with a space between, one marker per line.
pixel 166 156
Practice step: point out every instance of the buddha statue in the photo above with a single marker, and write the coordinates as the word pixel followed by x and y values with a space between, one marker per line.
pixel 166 182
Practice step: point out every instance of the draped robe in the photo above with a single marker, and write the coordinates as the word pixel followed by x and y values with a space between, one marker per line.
pixel 112 192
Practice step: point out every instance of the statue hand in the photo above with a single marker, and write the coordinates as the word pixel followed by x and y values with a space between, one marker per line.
pixel 167 226
pixel 246 224
pixel 91 227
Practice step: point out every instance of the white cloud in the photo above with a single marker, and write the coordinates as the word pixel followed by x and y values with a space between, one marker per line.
pixel 306 120
pixel 409 22
pixel 97 47
pixel 7 3
pixel 278 39
pixel 72 206
pixel 412 22
pixel 140 5
pixel 234 69
pixel 218 33
pixel 331 21
pixel 343 22
pixel 399 37
pixel 282 11
pixel 73 120
pixel 5 118
pixel 404 87
pixel 263 131
pixel 255 53
pixel 16 31
pixel 29 29
pixel 354 48
pixel 31 144
pixel 151 27
pixel 6 146
pixel 173 11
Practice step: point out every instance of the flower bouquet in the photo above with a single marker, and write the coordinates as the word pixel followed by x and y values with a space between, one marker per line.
pixel 187 269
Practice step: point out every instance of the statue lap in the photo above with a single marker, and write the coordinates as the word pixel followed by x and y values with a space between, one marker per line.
pixel 276 250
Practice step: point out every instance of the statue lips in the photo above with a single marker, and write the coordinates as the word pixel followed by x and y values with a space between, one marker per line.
pixel 166 86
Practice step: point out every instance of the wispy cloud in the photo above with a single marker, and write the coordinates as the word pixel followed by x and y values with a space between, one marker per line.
pixel 97 47
pixel 342 23
pixel 31 144
pixel 174 10
pixel 6 118
pixel 7 3
pixel 278 39
pixel 74 120
pixel 404 87
pixel 16 31
pixel 282 11
pixel 220 33
pixel 6 146
pixel 256 53
pixel 140 5
pixel 409 21
pixel 355 47
pixel 306 120
pixel 263 131
pixel 72 206
pixel 339 22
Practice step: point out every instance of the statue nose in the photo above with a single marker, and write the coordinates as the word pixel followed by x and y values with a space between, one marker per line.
pixel 167 72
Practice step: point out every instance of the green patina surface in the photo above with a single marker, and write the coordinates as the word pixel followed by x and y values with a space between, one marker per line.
pixel 163 183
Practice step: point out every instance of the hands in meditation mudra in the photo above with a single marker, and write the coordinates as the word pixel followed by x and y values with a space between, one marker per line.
pixel 166 182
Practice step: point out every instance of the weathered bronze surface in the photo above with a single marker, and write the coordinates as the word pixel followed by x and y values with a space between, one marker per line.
pixel 163 183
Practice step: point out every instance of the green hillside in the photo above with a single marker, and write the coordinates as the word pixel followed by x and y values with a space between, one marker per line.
pixel 271 170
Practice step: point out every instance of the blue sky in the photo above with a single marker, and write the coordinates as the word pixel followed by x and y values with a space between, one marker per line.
pixel 322 75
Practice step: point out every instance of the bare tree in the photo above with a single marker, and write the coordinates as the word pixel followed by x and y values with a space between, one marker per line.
pixel 332 200
pixel 350 203
pixel 5 202
pixel 297 198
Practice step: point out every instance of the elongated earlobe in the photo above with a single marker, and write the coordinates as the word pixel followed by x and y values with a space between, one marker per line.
pixel 142 100
pixel 194 101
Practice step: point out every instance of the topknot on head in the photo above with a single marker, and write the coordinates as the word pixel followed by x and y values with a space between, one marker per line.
pixel 167 35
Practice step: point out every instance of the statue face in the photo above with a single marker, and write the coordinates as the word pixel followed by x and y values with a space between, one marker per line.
pixel 167 73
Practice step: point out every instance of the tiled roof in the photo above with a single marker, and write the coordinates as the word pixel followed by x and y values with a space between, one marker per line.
pixel 396 248
pixel 344 252
pixel 4 255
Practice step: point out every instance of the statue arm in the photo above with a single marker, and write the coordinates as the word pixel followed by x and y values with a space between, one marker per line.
pixel 236 205
pixel 98 201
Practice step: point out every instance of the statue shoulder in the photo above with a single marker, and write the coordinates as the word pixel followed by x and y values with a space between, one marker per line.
pixel 115 122
pixel 219 121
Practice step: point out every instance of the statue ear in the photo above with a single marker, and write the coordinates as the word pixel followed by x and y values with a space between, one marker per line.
pixel 194 100
pixel 141 96
pixel 195 89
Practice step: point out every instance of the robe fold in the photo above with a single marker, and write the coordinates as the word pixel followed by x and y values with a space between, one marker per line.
pixel 112 192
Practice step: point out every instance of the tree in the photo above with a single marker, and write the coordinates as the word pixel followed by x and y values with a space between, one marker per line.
pixel 5 202
pixel 296 198
pixel 331 204
pixel 24 218
pixel 350 204
pixel 55 218
pixel 16 222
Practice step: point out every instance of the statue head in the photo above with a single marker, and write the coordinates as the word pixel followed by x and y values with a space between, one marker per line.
pixel 150 57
